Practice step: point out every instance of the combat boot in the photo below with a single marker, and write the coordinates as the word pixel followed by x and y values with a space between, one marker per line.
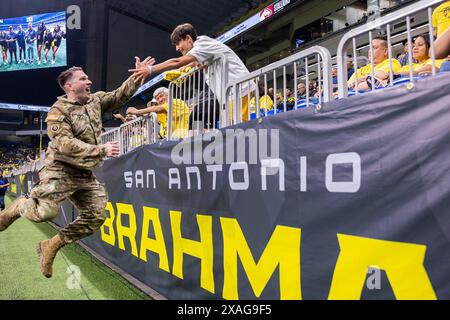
pixel 11 214
pixel 47 251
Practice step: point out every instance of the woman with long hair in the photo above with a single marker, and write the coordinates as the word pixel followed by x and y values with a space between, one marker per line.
pixel 4 48
pixel 40 39
pixel 58 34
pixel 48 41
pixel 422 62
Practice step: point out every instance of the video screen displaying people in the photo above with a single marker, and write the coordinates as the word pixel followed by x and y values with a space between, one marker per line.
pixel 33 42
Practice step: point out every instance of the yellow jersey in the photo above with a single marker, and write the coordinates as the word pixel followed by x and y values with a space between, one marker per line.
pixel 180 119
pixel 416 66
pixel 264 102
pixel 441 18
pixel 383 66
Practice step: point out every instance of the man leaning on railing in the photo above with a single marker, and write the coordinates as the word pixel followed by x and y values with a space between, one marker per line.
pixel 180 113
pixel 198 50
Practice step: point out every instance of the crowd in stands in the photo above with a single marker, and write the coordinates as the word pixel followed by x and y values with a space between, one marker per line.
pixel 420 64
pixel 414 59
pixel 185 113
pixel 14 156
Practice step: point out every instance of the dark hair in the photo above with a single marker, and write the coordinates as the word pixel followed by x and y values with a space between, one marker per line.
pixel 66 76
pixel 382 39
pixel 181 32
pixel 426 38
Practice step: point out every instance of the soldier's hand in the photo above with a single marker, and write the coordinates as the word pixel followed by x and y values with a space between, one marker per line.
pixel 112 149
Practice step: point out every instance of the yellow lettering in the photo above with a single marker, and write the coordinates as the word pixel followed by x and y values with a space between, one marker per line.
pixel 283 249
pixel 129 232
pixel 109 237
pixel 157 245
pixel 403 263
pixel 202 249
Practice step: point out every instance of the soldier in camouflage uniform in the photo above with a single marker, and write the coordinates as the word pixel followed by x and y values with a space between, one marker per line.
pixel 74 127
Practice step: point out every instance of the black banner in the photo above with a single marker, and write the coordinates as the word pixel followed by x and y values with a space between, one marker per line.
pixel 349 201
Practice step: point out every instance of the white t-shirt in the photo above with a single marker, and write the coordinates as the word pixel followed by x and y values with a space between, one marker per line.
pixel 206 49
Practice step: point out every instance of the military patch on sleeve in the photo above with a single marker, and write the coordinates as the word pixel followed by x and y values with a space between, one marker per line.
pixel 55 127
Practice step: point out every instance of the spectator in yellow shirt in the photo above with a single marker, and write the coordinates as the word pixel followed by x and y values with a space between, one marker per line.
pixel 441 18
pixel 381 69
pixel 441 24
pixel 265 100
pixel 423 63
pixel 180 114
pixel 442 45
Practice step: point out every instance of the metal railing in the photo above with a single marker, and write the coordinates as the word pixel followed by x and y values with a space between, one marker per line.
pixel 130 135
pixel 196 100
pixel 35 165
pixel 110 135
pixel 266 90
pixel 383 26
pixel 135 133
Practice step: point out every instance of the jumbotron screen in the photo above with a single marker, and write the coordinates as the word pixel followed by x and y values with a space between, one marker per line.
pixel 33 42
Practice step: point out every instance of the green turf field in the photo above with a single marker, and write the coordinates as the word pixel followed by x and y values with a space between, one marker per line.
pixel 20 277
pixel 61 60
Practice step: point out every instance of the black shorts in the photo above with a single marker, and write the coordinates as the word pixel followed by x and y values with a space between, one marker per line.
pixel 40 42
pixel 2 201
pixel 48 46
pixel 57 43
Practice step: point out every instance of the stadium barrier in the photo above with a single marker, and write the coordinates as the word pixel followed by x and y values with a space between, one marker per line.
pixel 195 100
pixel 110 135
pixel 334 213
pixel 255 87
pixel 348 44
pixel 30 166
pixel 133 134
pixel 391 221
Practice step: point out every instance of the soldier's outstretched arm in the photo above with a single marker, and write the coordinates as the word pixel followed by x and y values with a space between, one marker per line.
pixel 115 99
pixel 70 149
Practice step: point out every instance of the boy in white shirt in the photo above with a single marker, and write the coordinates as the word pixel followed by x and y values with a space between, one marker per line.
pixel 199 50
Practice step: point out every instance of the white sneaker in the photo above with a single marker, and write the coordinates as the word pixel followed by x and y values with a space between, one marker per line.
pixel 39 62
pixel 45 61
pixel 20 61
pixel 53 61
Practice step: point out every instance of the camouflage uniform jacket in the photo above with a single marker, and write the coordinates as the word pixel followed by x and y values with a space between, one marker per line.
pixel 75 129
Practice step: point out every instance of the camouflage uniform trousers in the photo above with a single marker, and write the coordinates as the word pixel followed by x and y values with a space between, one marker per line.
pixel 81 188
